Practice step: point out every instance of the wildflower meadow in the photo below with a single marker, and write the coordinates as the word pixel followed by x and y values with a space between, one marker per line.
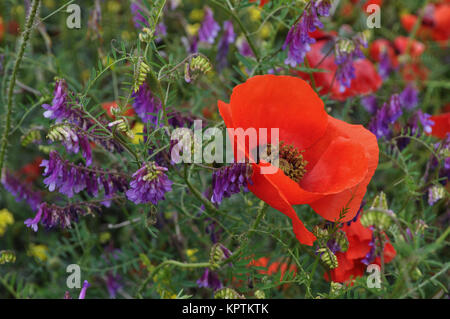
pixel 224 149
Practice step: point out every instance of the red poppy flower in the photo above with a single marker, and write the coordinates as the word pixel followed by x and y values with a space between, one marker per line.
pixel 273 267
pixel 32 170
pixel 367 79
pixel 414 71
pixel 262 3
pixel 330 163
pixel 2 29
pixel 416 48
pixel 380 46
pixel 441 125
pixel 435 26
pixel 351 262
pixel 107 106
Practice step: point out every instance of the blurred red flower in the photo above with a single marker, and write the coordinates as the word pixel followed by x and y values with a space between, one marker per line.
pixel 325 162
pixel 262 3
pixel 351 263
pixel 441 125
pixel 367 79
pixel 32 170
pixel 435 23
pixel 107 106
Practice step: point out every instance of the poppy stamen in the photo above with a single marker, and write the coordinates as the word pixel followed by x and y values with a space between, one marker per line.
pixel 290 160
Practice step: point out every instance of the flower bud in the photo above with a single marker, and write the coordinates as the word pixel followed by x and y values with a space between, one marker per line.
pixel 227 293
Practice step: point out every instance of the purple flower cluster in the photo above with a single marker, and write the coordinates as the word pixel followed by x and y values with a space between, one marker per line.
pixel 385 66
pixel 369 102
pixel 20 190
pixel 149 184
pixel 409 97
pixel 228 37
pixel 136 10
pixel 372 254
pixel 209 29
pixel 75 136
pixel 73 140
pixel 345 55
pixel 146 104
pixel 210 279
pixel 50 215
pixel 229 180
pixel 298 39
pixel 60 108
pixel 386 115
pixel 70 179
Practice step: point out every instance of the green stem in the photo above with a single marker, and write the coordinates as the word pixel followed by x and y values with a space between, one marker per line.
pixel 232 13
pixel 12 83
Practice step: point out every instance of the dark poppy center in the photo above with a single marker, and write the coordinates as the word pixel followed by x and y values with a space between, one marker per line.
pixel 290 160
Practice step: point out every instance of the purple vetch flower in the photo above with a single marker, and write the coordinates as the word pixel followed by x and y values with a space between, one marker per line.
pixel 229 180
pixel 346 52
pixel 210 279
pixel 146 105
pixel 369 102
pixel 113 284
pixel 137 10
pixel 388 114
pixel 149 184
pixel 385 66
pixel 333 245
pixel 69 178
pixel 298 39
pixel 209 29
pixel 50 215
pixel 60 108
pixel 160 31
pixel 73 140
pixel 228 37
pixel 409 97
pixel 86 285
pixel 424 119
pixel 20 190
pixel 244 48
pixel 443 149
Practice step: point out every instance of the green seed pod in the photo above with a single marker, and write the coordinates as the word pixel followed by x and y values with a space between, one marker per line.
pixel 335 288
pixel 33 136
pixel 217 255
pixel 320 233
pixel 378 214
pixel 7 256
pixel 341 240
pixel 260 294
pixel 140 74
pixel 227 293
pixel 196 66
pixel 415 274
pixel 327 256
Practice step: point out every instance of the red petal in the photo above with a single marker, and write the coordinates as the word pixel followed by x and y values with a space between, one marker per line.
pixel 267 191
pixel 284 102
pixel 330 206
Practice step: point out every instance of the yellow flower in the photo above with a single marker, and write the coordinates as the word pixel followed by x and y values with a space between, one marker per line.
pixel 49 4
pixel 191 254
pixel 105 237
pixel 113 6
pixel 265 30
pixel 192 29
pixel 6 218
pixel 196 15
pixel 138 130
pixel 255 13
pixel 39 252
